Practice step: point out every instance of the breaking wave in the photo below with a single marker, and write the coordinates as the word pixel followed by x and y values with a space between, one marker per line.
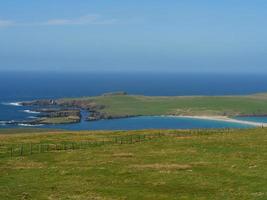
pixel 32 117
pixel 31 111
pixel 3 123
pixel 12 104
pixel 30 125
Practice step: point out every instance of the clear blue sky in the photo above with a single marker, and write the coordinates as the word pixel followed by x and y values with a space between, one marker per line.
pixel 150 35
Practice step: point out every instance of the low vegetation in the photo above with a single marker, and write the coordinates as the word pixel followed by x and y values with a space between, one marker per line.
pixel 188 164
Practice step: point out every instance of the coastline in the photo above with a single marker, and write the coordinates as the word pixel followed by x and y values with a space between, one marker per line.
pixel 221 118
pixel 66 111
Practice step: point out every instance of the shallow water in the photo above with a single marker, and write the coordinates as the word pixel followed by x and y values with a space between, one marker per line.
pixel 253 119
pixel 151 123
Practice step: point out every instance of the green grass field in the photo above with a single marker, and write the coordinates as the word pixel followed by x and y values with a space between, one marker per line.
pixel 117 105
pixel 200 164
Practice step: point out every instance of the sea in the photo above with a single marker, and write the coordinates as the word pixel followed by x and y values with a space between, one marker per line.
pixel 24 86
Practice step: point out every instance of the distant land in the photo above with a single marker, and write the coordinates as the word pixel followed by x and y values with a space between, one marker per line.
pixel 116 105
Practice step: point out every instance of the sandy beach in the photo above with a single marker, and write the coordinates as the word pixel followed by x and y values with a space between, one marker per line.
pixel 225 119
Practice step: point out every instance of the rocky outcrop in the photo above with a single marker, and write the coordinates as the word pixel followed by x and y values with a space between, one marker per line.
pixel 62 103
pixel 82 104
pixel 52 116
pixel 60 113
pixel 95 116
pixel 39 103
pixel 70 108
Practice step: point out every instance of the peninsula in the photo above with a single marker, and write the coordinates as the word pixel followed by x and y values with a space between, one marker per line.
pixel 121 105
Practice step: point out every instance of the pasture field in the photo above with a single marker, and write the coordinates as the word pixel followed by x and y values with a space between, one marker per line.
pixel 163 164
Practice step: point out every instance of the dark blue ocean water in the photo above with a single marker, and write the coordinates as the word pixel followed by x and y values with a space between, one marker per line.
pixel 21 86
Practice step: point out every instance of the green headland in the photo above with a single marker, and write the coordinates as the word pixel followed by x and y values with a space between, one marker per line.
pixel 121 105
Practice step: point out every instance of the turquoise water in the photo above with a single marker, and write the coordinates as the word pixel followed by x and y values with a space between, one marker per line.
pixel 253 119
pixel 136 123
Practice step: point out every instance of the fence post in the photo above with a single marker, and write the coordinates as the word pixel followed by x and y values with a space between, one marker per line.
pixel 21 150
pixel 31 148
pixel 11 151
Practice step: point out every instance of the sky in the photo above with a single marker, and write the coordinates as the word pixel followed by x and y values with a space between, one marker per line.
pixel 126 35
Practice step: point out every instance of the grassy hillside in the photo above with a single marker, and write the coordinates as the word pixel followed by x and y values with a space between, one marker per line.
pixel 211 164
pixel 117 105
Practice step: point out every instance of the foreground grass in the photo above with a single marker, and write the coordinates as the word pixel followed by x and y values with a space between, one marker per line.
pixel 193 165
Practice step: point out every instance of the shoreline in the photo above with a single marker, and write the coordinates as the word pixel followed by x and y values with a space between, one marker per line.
pixel 221 118
pixel 97 113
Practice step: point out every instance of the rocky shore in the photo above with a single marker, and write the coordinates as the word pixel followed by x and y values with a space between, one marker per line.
pixel 75 105
pixel 51 116
pixel 39 103
pixel 95 116
pixel 117 105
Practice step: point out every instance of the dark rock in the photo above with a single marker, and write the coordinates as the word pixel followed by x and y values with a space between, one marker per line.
pixel 39 103
pixel 85 105
pixel 60 113
pixel 94 116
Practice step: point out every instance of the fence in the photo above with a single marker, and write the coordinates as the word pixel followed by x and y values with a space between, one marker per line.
pixel 15 150
pixel 34 148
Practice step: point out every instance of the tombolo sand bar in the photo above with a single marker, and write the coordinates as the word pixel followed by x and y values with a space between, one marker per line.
pixel 226 119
